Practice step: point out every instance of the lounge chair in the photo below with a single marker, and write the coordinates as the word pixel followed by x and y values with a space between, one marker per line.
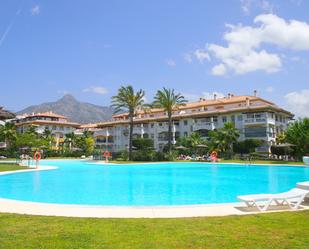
pixel 292 198
pixel 261 201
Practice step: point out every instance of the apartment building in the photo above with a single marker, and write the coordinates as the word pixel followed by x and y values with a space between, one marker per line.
pixel 57 124
pixel 254 117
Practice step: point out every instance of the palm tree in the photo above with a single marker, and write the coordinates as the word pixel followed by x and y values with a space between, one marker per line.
pixel 231 134
pixel 8 133
pixel 46 134
pixel 70 139
pixel 128 100
pixel 169 101
pixel 223 139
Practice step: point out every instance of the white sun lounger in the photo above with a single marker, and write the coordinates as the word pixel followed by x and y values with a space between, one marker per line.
pixel 292 198
pixel 261 201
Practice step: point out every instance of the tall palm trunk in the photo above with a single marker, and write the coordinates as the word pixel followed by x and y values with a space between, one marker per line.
pixel 130 137
pixel 169 132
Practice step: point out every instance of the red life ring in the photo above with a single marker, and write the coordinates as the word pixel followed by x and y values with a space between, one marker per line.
pixel 106 154
pixel 37 156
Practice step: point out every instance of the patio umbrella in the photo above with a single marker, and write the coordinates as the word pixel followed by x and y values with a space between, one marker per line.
pixel 25 148
pixel 180 147
pixel 201 146
pixel 284 145
pixel 6 114
pixel 77 149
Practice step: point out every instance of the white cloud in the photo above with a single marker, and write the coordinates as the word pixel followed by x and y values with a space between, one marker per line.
pixel 35 10
pixel 298 102
pixel 201 55
pixel 219 69
pixel 6 32
pixel 171 62
pixel 96 89
pixel 270 89
pixel 248 5
pixel 243 52
pixel 205 95
pixel 188 57
pixel 209 95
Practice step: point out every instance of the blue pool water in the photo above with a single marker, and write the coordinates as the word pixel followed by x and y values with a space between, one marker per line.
pixel 78 182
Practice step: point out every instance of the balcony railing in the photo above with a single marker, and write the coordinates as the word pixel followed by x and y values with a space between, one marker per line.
pixel 206 126
pixel 255 120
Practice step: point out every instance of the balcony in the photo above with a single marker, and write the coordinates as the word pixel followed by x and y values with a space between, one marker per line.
pixel 204 126
pixel 255 120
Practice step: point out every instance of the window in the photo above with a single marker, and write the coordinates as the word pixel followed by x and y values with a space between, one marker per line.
pixel 256 132
pixel 185 134
pixel 239 118
pixel 185 122
pixel 233 118
pixel 215 119
pixel 152 125
pixel 224 119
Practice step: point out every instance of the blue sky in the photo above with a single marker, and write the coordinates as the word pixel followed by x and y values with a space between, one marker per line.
pixel 90 48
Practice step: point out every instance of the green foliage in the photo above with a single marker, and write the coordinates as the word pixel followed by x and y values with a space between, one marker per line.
pixel 128 100
pixel 280 151
pixel 222 140
pixel 144 150
pixel 169 101
pixel 8 134
pixel 143 143
pixel 247 146
pixel 191 144
pixel 298 135
pixel 124 155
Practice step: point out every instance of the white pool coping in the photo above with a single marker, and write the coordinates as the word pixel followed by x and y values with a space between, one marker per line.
pixel 91 211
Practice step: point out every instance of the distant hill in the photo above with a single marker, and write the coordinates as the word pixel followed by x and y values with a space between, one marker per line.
pixel 73 109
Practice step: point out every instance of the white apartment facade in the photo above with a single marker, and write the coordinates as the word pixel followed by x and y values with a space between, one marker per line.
pixel 58 125
pixel 254 117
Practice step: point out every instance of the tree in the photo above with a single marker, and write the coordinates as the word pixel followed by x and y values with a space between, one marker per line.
pixel 46 134
pixel 70 139
pixel 298 134
pixel 223 139
pixel 128 100
pixel 32 130
pixel 89 145
pixel 8 133
pixel 169 101
pixel 247 146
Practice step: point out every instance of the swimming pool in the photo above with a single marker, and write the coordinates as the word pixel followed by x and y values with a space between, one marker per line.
pixel 80 182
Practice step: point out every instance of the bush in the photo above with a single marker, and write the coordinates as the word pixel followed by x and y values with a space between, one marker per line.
pixel 247 146
pixel 142 155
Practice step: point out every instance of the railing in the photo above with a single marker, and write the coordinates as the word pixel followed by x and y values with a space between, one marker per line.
pixel 255 120
pixel 207 126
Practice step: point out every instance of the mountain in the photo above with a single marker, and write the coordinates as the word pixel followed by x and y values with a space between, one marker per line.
pixel 73 109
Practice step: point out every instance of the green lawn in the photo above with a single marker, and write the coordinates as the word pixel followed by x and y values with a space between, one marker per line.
pixel 10 166
pixel 276 230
